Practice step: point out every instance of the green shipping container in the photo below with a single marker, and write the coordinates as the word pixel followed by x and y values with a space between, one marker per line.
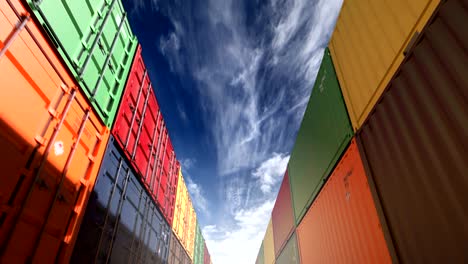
pixel 198 257
pixel 260 257
pixel 324 134
pixel 95 40
pixel 289 255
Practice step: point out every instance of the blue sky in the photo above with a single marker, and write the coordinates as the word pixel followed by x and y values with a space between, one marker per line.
pixel 233 79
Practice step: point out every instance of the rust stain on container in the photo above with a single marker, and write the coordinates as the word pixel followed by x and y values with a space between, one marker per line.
pixel 342 225
pixel 415 142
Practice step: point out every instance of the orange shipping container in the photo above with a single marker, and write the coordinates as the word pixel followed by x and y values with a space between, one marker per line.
pixel 51 145
pixel 342 225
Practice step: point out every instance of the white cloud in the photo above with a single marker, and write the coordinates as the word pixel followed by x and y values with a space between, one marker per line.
pixel 182 114
pixel 140 5
pixel 199 200
pixel 187 163
pixel 239 242
pixel 170 46
pixel 289 23
pixel 271 171
pixel 254 82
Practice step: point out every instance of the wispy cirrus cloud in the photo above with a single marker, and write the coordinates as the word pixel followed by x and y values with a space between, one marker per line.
pixel 254 73
pixel 197 194
pixel 226 243
pixel 271 171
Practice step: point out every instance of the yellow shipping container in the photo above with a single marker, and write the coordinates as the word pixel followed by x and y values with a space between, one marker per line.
pixel 191 229
pixel 268 245
pixel 368 46
pixel 180 211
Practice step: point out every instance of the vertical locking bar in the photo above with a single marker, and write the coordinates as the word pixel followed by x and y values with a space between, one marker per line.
pixel 62 177
pixel 98 18
pixel 96 40
pixel 119 211
pixel 158 149
pixel 42 163
pixel 109 56
pixel 168 184
pixel 109 202
pixel 19 16
pixel 152 149
pixel 142 120
pixel 135 110
pixel 24 20
pixel 162 168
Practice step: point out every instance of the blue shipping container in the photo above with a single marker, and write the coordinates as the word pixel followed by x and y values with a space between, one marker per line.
pixel 122 223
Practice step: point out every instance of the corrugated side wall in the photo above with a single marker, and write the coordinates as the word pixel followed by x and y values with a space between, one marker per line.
pixel 199 247
pixel 367 47
pixel 342 225
pixel 122 223
pixel 282 216
pixel 416 144
pixel 51 145
pixel 324 135
pixel 177 254
pixel 289 254
pixel 269 245
pixel 180 211
pixel 191 231
pixel 260 257
pixel 96 42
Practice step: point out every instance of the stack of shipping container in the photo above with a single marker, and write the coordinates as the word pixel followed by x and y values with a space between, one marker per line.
pixel 378 173
pixel 89 173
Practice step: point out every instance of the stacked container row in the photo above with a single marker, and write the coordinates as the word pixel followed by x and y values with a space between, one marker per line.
pixel 141 133
pixel 51 144
pixel 177 254
pixel 122 223
pixel 69 71
pixel 185 219
pixel 97 44
pixel 199 252
pixel 396 192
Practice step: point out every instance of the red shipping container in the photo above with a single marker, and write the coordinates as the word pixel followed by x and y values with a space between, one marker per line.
pixel 282 216
pixel 342 225
pixel 206 256
pixel 140 131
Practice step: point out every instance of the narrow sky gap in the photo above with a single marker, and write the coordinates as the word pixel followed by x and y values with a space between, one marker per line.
pixel 233 80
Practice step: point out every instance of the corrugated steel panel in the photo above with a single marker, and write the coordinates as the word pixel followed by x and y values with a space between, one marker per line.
pixel 289 254
pixel 260 256
pixel 141 132
pixel 367 47
pixel 206 256
pixel 51 145
pixel 415 142
pixel 282 216
pixel 122 223
pixel 177 253
pixel 269 245
pixel 342 225
pixel 199 247
pixel 324 134
pixel 191 231
pixel 96 42
pixel 181 213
